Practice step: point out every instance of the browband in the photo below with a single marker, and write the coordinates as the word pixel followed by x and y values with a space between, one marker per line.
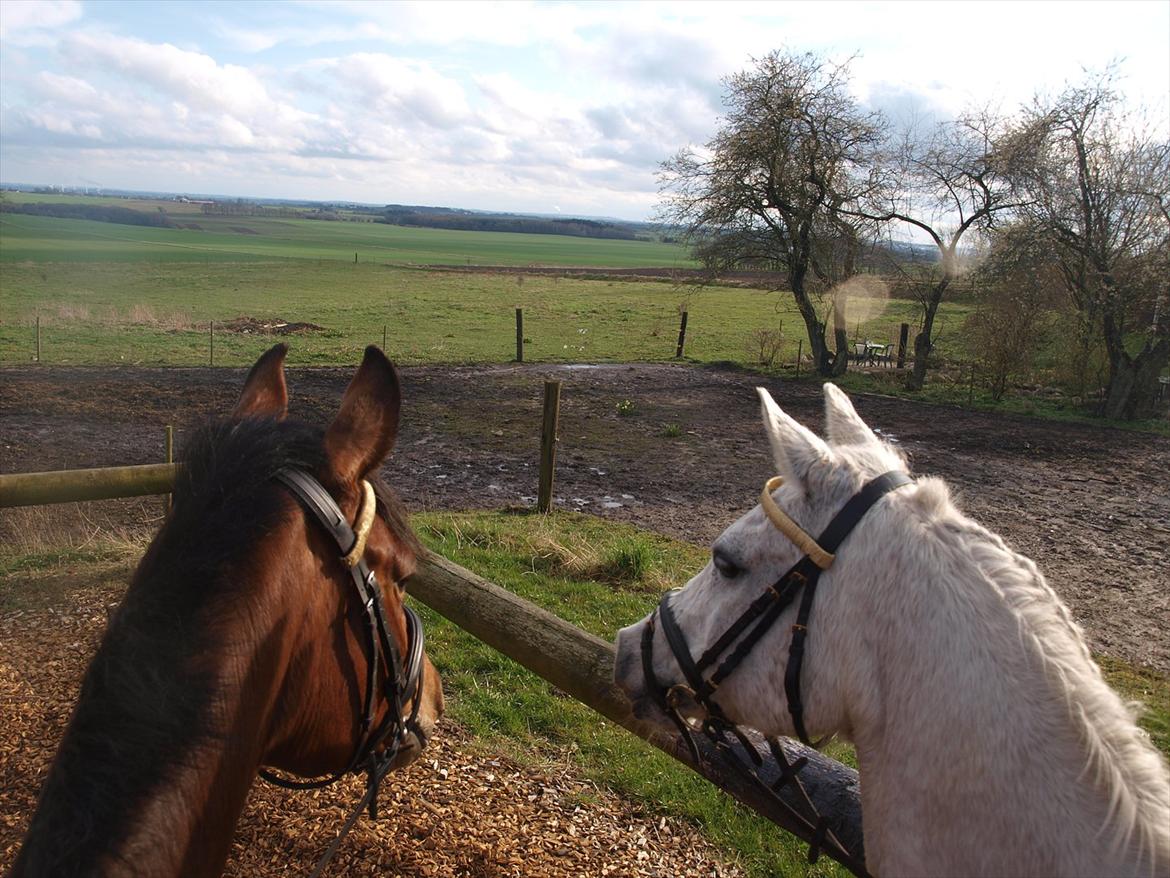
pixel 790 528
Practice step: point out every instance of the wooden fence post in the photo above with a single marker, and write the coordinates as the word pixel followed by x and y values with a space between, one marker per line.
pixel 383 338
pixel 38 338
pixel 548 444
pixel 903 337
pixel 519 335
pixel 682 336
pixel 971 387
pixel 170 452
pixel 211 347
pixel 799 352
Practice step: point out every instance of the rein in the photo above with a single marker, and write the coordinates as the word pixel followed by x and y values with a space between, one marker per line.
pixel 745 632
pixel 402 679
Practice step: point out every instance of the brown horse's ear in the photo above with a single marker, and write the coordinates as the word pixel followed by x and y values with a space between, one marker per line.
pixel 366 426
pixel 265 394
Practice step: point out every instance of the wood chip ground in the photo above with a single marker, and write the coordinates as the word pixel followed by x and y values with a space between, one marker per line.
pixel 458 811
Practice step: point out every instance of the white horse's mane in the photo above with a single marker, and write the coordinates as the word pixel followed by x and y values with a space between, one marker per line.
pixel 1119 757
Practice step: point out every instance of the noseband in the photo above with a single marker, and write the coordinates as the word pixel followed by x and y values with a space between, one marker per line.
pixel 402 679
pixel 751 626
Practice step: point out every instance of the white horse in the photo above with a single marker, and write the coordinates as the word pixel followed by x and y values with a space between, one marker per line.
pixel 987 741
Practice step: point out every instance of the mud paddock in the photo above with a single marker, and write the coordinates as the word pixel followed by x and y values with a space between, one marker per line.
pixel 1089 504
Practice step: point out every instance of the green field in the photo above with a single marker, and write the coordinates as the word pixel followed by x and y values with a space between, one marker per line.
pixel 246 238
pixel 109 294
pixel 116 294
pixel 159 313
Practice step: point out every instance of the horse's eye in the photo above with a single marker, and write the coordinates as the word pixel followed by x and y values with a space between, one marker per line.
pixel 725 565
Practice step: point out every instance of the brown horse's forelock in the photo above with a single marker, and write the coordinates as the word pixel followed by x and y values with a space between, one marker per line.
pixel 146 701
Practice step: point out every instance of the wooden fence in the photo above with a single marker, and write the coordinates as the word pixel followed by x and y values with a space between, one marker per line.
pixel 573 660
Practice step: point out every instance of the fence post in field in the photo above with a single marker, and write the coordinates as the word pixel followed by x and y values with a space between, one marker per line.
pixel 903 337
pixel 170 450
pixel 971 387
pixel 38 338
pixel 355 259
pixel 383 338
pixel 548 444
pixel 211 346
pixel 799 353
pixel 682 336
pixel 519 335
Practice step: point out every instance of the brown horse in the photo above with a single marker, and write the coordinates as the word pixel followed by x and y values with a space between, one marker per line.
pixel 240 644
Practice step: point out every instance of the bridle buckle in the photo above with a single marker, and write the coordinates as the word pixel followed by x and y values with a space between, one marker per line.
pixel 676 693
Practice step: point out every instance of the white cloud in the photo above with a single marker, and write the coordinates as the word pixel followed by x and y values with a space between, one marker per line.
pixel 194 78
pixel 28 22
pixel 509 105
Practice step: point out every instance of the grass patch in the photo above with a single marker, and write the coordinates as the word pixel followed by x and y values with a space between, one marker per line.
pixel 1149 688
pixel 950 387
pixel 600 576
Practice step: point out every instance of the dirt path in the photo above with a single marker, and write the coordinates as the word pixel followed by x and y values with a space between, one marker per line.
pixel 1090 504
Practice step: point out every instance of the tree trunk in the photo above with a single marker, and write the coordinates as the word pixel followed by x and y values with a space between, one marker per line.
pixel 840 335
pixel 841 360
pixel 822 362
pixel 922 342
pixel 1133 382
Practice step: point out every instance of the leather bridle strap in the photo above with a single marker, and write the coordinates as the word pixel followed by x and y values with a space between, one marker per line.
pixel 403 679
pixel 745 632
pixel 763 612
pixel 830 540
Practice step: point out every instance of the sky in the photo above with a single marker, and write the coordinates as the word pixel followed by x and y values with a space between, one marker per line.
pixel 553 108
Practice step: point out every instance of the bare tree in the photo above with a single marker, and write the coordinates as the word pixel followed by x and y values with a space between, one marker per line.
pixel 774 185
pixel 1021 294
pixel 946 184
pixel 1098 187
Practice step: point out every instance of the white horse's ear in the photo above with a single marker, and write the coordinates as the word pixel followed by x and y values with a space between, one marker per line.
pixel 795 448
pixel 842 423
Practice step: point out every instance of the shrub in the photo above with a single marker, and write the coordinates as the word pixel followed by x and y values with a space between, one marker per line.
pixel 763 345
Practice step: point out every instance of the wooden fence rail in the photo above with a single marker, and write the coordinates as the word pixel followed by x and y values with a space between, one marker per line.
pixel 67 486
pixel 573 660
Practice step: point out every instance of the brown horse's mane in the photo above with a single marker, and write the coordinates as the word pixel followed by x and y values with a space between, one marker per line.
pixel 146 701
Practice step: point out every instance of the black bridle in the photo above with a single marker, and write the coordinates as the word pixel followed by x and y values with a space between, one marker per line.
pixel 402 679
pixel 744 633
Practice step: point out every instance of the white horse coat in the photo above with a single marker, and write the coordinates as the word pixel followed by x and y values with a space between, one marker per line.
pixel 987 741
